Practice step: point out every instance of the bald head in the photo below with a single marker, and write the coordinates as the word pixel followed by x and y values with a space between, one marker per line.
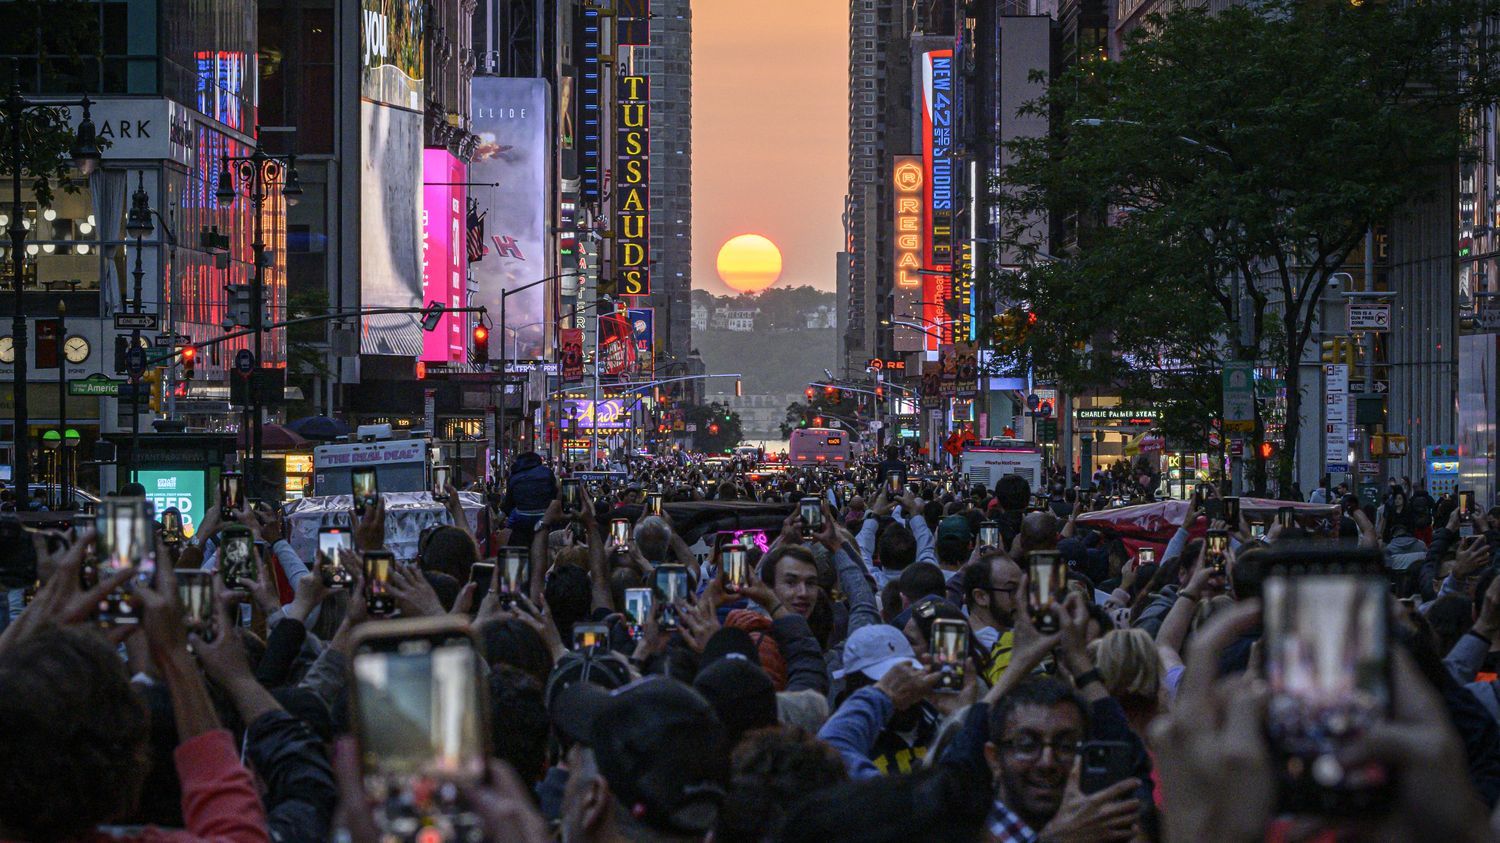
pixel 1039 531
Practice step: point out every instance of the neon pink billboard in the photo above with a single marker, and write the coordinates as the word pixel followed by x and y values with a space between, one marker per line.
pixel 443 253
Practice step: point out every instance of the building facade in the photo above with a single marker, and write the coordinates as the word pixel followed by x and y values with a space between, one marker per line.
pixel 669 62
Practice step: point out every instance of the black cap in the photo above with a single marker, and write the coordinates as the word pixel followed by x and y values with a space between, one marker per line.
pixel 740 692
pixel 658 743
pixel 728 640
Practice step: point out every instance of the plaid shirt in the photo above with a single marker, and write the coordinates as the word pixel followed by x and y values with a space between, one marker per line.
pixel 1006 827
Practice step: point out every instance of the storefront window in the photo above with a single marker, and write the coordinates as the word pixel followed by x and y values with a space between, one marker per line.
pixel 62 241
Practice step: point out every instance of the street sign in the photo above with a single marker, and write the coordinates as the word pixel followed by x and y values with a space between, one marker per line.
pixel 172 340
pixel 135 321
pixel 95 385
pixel 1237 449
pixel 1033 401
pixel 1369 467
pixel 244 361
pixel 1369 316
pixel 1336 419
pixel 135 360
pixel 1239 396
pixel 1380 387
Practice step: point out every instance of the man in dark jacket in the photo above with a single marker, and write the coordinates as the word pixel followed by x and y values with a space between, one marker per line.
pixel 529 488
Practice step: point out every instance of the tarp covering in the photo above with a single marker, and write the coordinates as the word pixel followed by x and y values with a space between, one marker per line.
pixel 406 515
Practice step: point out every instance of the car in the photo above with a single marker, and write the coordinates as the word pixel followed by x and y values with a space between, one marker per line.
pixel 83 501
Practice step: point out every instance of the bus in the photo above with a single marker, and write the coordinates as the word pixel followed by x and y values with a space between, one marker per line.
pixel 818 444
pixel 984 462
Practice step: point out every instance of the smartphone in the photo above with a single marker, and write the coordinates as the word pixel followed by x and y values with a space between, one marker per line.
pixel 1145 556
pixel 1216 549
pixel 619 535
pixel 124 542
pixel 1213 508
pixel 171 526
pixel 572 495
pixel 378 595
pixel 950 651
pixel 1327 657
pixel 893 483
pixel 419 716
pixel 231 494
pixel 1232 512
pixel 481 574
pixel 1257 530
pixel 514 565
pixel 989 534
pixel 1105 763
pixel 442 476
pixel 331 540
pixel 733 561
pixel 638 603
pixel 366 489
pixel 195 590
pixel 811 510
pixel 1466 504
pixel 653 503
pixel 1047 585
pixel 237 556
pixel 590 637
pixel 671 585
pixel 1285 516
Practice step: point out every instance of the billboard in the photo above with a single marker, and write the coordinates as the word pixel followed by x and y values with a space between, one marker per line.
pixel 390 228
pixel 443 252
pixel 616 345
pixel 633 187
pixel 611 415
pixel 937 109
pixel 586 51
pixel 642 336
pixel 570 341
pixel 907 179
pixel 392 64
pixel 510 118
pixel 179 487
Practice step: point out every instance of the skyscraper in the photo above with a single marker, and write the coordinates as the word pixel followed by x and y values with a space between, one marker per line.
pixel 669 62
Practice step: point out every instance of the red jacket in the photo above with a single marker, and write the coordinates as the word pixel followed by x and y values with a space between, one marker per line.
pixel 219 800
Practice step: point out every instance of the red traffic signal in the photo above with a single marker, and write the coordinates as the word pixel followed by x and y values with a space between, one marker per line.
pixel 810 393
pixel 1267 450
pixel 817 421
pixel 713 429
pixel 479 352
pixel 189 356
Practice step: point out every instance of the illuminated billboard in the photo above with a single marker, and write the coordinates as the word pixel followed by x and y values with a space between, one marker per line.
pixel 179 487
pixel 937 109
pixel 906 182
pixel 392 63
pixel 617 348
pixel 586 52
pixel 579 413
pixel 633 187
pixel 390 228
pixel 510 118
pixel 443 253
pixel 642 336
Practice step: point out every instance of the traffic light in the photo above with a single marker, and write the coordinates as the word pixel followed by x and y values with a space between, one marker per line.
pixel 238 310
pixel 817 421
pixel 1339 350
pixel 189 356
pixel 739 388
pixel 810 393
pixel 151 380
pixel 1267 450
pixel 713 429
pixel 479 352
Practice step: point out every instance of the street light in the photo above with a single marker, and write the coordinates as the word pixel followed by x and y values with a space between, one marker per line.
pixel 137 224
pixel 85 154
pixel 258 172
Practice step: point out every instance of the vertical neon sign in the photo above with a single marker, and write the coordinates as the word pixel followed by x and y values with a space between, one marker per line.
pixel 937 162
pixel 442 253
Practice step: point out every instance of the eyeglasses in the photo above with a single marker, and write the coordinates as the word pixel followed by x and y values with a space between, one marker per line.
pixel 1030 749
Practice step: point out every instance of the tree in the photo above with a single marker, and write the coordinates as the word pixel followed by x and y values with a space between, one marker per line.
pixel 1232 160
pixel 719 428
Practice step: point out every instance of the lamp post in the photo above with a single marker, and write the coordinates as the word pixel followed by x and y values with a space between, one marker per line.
pixel 85 154
pixel 137 224
pixel 257 173
pixel 505 361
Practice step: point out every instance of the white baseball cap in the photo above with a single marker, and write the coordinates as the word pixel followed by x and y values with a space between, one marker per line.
pixel 873 650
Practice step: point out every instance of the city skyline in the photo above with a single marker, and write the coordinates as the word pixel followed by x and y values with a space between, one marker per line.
pixel 770 96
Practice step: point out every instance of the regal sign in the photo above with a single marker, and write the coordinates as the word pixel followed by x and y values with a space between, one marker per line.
pixel 633 187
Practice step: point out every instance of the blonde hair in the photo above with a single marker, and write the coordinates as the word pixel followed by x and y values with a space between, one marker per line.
pixel 1128 662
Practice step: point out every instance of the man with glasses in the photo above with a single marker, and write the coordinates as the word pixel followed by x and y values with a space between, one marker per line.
pixel 1037 731
pixel 990 587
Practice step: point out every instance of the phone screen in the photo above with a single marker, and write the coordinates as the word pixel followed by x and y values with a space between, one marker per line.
pixel 812 515
pixel 231 494
pixel 1257 530
pixel 1232 512
pixel 736 568
pixel 893 482
pixel 331 540
pixel 619 533
pixel 365 487
pixel 442 475
pixel 195 590
pixel 1047 584
pixel 378 582
pixel 671 586
pixel 480 574
pixel 950 648
pixel 590 636
pixel 653 503
pixel 989 534
pixel 638 603
pixel 1327 660
pixel 1145 556
pixel 171 526
pixel 119 545
pixel 515 567
pixel 572 499
pixel 1285 516
pixel 1466 502
pixel 418 709
pixel 1216 549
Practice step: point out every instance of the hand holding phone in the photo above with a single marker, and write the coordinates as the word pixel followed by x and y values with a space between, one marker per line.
pixel 378 566
pixel 1047 584
pixel 331 541
pixel 949 648
pixel 365 489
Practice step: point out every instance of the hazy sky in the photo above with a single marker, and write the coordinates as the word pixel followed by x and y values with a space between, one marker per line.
pixel 770 132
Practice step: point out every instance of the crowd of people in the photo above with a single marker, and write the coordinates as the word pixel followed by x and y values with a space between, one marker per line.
pixel 797 683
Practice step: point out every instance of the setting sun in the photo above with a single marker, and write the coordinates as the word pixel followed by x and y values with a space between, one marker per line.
pixel 749 263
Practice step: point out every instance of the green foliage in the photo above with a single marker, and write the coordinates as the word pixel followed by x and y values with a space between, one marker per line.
pixel 706 417
pixel 1240 153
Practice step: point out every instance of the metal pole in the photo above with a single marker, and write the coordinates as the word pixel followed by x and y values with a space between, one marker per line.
pixel 257 318
pixel 1066 400
pixel 62 402
pixel 504 364
pixel 15 108
pixel 594 413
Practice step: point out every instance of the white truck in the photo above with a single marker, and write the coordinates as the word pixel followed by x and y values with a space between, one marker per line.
pixel 984 462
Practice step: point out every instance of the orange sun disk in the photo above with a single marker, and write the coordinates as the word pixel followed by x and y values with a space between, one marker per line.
pixel 749 263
